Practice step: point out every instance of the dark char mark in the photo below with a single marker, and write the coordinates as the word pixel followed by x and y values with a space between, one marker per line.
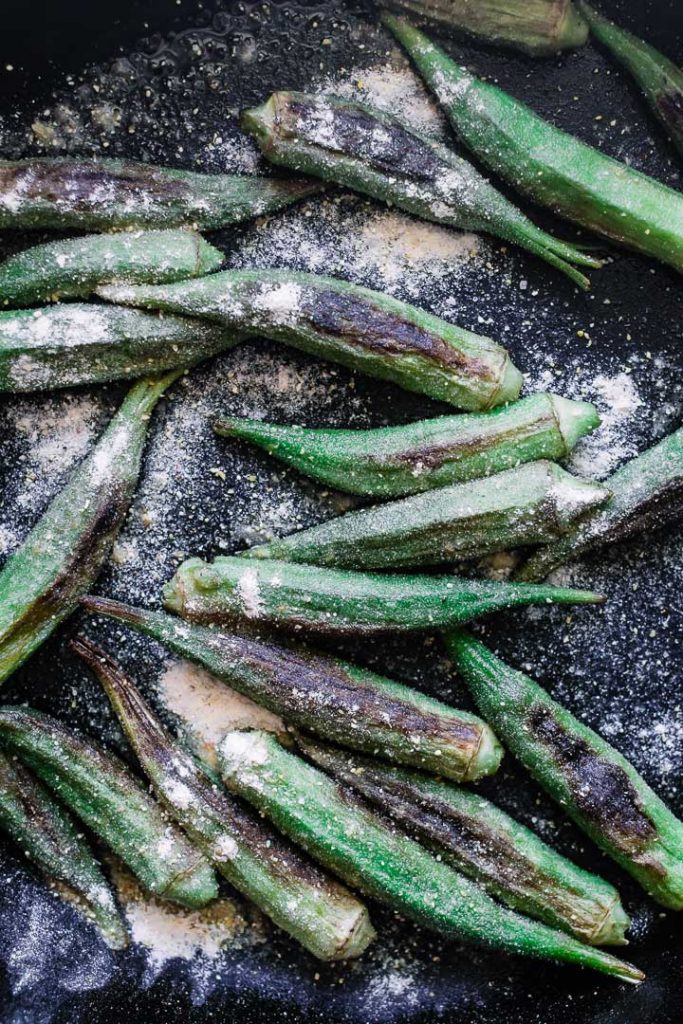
pixel 81 186
pixel 435 453
pixel 670 103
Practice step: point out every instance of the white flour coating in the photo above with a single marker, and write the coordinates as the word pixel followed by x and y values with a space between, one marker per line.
pixel 618 401
pixel 243 748
pixel 250 594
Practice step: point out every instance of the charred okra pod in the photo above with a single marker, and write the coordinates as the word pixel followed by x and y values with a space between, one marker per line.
pixel 484 843
pixel 375 153
pixel 46 833
pixel 350 840
pixel 548 165
pixel 61 558
pixel 230 591
pixel 321 914
pixel 537 27
pixel 646 493
pixel 101 791
pixel 535 503
pixel 592 782
pixel 76 266
pixel 98 195
pixel 659 78
pixel 354 326
pixel 331 698
pixel 63 346
pixel 389 462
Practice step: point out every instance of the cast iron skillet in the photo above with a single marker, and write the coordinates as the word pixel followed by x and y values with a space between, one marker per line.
pixel 620 668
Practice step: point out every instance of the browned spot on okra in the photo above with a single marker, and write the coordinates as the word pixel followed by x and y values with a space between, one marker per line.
pixel 660 507
pixel 601 790
pixel 87 185
pixel 670 105
pixel 431 455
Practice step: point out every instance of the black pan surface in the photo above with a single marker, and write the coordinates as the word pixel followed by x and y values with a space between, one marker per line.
pixel 166 85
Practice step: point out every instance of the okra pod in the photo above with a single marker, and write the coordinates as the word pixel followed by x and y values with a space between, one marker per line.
pixel 537 27
pixel 354 326
pixel 535 503
pixel 321 914
pixel 548 165
pixel 331 698
pixel 98 195
pixel 76 266
pixel 76 343
pixel 47 834
pixel 484 843
pixel 390 462
pixel 646 493
pixel 593 783
pixel 659 78
pixel 63 554
pixel 230 591
pixel 100 790
pixel 376 153
pixel 350 840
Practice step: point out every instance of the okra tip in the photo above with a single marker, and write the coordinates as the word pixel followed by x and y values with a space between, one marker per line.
pixel 574 419
pixel 259 121
pixel 511 382
pixel 613 927
pixel 487 757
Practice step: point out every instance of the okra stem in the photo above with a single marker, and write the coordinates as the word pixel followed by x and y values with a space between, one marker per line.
pixel 75 267
pixel 63 554
pixel 537 502
pixel 354 326
pixel 594 784
pixel 376 153
pixel 98 195
pixel 390 462
pixel 548 165
pixel 47 834
pixel 101 791
pixel 355 844
pixel 478 839
pixel 334 699
pixel 230 591
pixel 321 914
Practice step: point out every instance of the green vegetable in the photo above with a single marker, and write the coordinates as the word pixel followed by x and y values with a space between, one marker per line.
pixel 47 834
pixel 353 842
pixel 535 503
pixel 65 345
pixel 548 165
pixel 354 326
pixel 375 153
pixel 321 914
pixel 334 699
pixel 392 461
pixel 659 78
pixel 594 784
pixel 97 195
pixel 61 558
pixel 646 493
pixel 230 591
pixel 76 266
pixel 478 839
pixel 537 27
pixel 101 791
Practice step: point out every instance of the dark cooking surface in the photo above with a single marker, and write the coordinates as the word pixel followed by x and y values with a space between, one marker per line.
pixel 619 667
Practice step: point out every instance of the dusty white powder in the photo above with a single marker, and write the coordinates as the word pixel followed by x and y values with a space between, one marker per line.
pixel 250 594
pixel 618 402
pixel 243 748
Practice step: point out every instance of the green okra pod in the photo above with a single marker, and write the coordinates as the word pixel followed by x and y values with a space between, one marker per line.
pixel 486 844
pixel 61 558
pixel 537 502
pixel 548 165
pixel 354 326
pixel 76 343
pixel 76 266
pixel 373 152
pixel 232 591
pixel 646 493
pixel 100 790
pixel 350 840
pixel 659 78
pixel 321 914
pixel 537 27
pixel 389 462
pixel 98 195
pixel 593 783
pixel 331 698
pixel 47 834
